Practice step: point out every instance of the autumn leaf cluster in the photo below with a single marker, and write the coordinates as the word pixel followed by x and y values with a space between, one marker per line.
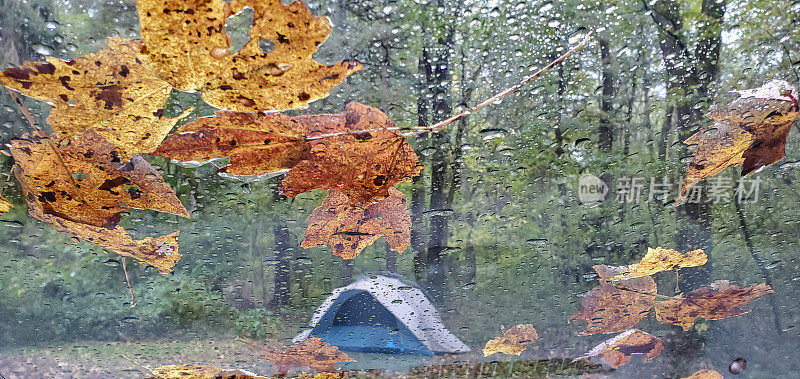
pixel 109 111
pixel 626 295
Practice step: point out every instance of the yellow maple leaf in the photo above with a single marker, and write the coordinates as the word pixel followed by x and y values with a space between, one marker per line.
pixel 705 374
pixel 202 372
pixel 660 259
pixel 109 91
pixel 5 205
pixel 186 44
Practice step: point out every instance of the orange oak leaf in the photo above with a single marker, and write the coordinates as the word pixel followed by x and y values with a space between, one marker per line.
pixel 705 374
pixel 717 301
pixel 610 308
pixel 161 252
pixel 186 44
pixel 618 350
pixel 108 91
pixel 750 131
pixel 362 165
pixel 200 372
pixel 660 259
pixel 257 143
pixel 313 353
pixel 83 179
pixel 349 228
pixel 5 205
pixel 513 341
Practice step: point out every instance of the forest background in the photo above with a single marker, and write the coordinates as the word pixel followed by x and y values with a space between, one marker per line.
pixel 500 236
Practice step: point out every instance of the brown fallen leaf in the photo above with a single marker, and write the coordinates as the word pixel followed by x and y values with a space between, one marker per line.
pixel 362 165
pixel 750 131
pixel 618 350
pixel 313 353
pixel 83 179
pixel 717 301
pixel 108 91
pixel 161 252
pixel 660 259
pixel 359 152
pixel 5 205
pixel 257 143
pixel 349 228
pixel 186 44
pixel 514 341
pixel 325 375
pixel 705 374
pixel 608 309
pixel 200 372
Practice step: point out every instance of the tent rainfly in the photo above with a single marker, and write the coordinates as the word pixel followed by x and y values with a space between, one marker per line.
pixel 382 314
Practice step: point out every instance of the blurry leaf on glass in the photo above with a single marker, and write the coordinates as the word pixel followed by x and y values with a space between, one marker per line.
pixel 313 353
pixel 660 259
pixel 513 342
pixel 750 131
pixel 200 372
pixel 610 308
pixel 619 349
pixel 186 44
pixel 717 301
pixel 705 374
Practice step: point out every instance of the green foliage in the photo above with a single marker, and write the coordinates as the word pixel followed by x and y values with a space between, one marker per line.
pixel 520 245
pixel 256 324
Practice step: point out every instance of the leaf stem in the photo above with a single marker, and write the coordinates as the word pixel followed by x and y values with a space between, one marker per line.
pixel 441 125
pixel 500 95
pixel 621 288
pixel 23 109
pixel 128 281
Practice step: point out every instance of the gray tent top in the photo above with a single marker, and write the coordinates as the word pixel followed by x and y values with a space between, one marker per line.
pixel 380 313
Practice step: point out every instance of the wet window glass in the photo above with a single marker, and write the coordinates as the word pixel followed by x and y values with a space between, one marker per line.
pixel 427 188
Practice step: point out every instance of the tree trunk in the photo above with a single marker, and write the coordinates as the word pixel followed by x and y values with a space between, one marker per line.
pixel 418 190
pixel 257 267
pixel 285 244
pixel 284 247
pixel 438 235
pixel 470 261
pixel 391 259
pixel 688 92
pixel 346 271
pixel 605 131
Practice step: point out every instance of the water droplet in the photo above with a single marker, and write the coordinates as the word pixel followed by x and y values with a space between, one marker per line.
pixel 492 133
pixel 738 366
pixel 43 49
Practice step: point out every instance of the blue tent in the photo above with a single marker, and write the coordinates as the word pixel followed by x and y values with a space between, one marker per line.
pixel 382 314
